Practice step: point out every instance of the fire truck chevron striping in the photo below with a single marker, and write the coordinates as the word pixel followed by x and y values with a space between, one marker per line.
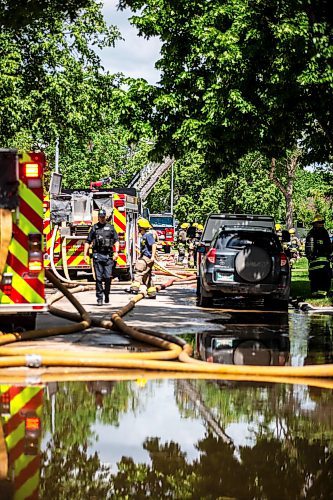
pixel 22 285
pixel 21 411
pixel 119 221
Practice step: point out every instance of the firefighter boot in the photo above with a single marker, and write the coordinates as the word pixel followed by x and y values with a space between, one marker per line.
pixel 135 287
pixel 151 292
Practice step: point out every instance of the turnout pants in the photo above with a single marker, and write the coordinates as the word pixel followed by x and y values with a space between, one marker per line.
pixel 320 275
pixel 143 271
pixel 103 265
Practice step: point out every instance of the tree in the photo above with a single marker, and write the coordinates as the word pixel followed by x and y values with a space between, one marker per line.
pixel 238 76
pixel 51 82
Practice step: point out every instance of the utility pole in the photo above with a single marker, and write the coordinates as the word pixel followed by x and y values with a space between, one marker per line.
pixel 171 201
pixel 56 160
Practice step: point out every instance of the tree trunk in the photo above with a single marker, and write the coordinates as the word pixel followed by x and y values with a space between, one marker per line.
pixel 287 191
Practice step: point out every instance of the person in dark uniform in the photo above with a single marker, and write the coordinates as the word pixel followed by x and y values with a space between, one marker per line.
pixel 318 249
pixel 104 239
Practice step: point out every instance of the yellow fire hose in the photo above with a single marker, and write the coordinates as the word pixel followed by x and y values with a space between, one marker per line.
pixel 141 361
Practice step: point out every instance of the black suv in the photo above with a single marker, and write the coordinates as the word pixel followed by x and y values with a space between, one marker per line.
pixel 243 258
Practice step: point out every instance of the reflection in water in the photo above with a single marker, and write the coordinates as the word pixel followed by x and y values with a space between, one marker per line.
pixel 247 339
pixel 183 439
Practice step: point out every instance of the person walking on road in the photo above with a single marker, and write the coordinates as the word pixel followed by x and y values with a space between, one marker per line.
pixel 105 246
pixel 318 249
pixel 143 281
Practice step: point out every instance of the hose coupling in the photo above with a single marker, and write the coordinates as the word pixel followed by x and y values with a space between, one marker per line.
pixel 33 360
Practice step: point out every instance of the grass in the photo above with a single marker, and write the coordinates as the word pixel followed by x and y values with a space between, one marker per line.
pixel 300 285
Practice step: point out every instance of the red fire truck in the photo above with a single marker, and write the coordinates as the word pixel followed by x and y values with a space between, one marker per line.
pixel 68 218
pixel 22 291
pixel 164 225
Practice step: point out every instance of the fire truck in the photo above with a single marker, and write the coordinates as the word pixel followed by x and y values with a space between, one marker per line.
pixel 68 217
pixel 22 291
pixel 164 225
pixel 20 440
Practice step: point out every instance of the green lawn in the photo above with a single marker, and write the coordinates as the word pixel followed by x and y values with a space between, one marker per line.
pixel 300 285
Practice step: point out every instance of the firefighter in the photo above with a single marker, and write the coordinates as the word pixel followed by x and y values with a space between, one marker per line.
pixel 278 230
pixel 144 265
pixel 318 249
pixel 102 237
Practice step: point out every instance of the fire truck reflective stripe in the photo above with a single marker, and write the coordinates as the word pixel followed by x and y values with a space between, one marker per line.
pixel 33 288
pixel 31 203
pixel 19 403
pixel 119 221
pixel 24 466
pixel 19 285
pixel 32 217
pixel 27 474
pixel 121 260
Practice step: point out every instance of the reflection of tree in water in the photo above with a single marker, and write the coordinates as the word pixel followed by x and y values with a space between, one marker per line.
pixel 282 463
pixel 69 473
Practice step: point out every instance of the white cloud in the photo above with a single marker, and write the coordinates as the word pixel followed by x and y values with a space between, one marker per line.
pixel 134 56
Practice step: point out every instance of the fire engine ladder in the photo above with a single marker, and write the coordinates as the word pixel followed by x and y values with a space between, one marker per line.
pixel 145 180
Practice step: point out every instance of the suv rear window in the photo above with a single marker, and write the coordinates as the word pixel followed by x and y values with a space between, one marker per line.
pixel 237 241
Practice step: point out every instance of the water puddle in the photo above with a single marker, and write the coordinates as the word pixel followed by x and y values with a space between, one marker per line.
pixel 181 438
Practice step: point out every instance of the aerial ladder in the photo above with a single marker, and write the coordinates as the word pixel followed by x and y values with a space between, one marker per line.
pixel 145 180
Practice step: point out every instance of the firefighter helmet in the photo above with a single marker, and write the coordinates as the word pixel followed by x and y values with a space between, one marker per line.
pixel 185 225
pixel 195 224
pixel 318 218
pixel 144 223
pixel 292 230
pixel 101 212
pixel 200 227
pixel 278 227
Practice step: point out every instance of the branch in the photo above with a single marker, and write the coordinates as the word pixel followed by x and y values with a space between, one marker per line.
pixel 274 179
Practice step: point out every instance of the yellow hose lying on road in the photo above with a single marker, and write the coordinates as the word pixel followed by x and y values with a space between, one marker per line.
pixel 6 229
pixel 158 361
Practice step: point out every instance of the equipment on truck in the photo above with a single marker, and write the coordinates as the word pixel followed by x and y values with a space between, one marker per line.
pixel 22 291
pixel 69 216
pixel 164 225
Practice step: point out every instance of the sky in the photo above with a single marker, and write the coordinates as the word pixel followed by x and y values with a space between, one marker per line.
pixel 134 56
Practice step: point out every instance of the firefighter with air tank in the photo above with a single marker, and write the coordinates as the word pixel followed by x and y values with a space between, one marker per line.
pixel 105 245
pixel 318 250
pixel 143 281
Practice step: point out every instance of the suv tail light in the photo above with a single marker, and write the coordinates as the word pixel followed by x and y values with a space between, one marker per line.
pixel 211 256
pixel 283 259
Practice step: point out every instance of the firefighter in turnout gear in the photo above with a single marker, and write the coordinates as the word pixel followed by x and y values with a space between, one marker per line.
pixel 104 239
pixel 318 249
pixel 143 282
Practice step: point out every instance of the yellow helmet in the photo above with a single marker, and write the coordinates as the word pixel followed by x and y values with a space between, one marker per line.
pixel 292 230
pixel 195 224
pixel 318 218
pixel 200 227
pixel 185 225
pixel 144 223
pixel 278 227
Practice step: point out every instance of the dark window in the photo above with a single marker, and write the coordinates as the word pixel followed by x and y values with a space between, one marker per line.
pixel 242 239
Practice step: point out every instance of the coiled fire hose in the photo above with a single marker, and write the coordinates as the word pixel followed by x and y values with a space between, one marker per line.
pixel 173 349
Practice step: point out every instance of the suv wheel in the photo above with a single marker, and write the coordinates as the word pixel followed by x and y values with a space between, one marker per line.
pixel 202 300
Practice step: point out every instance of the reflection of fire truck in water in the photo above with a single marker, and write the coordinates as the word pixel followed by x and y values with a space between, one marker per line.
pixel 164 225
pixel 69 216
pixel 20 436
pixel 22 291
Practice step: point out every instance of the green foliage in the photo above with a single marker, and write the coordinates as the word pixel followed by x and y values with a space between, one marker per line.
pixel 50 80
pixel 238 76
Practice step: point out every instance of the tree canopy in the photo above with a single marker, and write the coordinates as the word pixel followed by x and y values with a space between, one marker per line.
pixel 238 76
